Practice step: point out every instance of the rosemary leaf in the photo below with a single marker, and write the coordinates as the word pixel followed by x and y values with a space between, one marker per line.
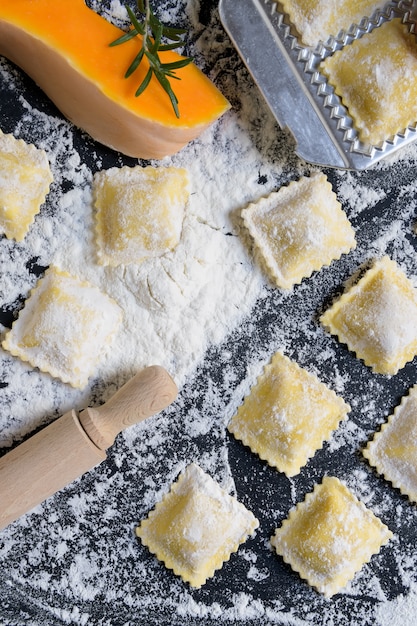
pixel 135 63
pixel 172 75
pixel 140 28
pixel 127 37
pixel 169 46
pixel 164 82
pixel 152 32
pixel 157 33
pixel 173 33
pixel 144 83
pixel 176 65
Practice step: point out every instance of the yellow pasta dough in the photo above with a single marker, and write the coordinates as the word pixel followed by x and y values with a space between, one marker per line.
pixel 25 178
pixel 329 537
pixel 64 328
pixel 139 212
pixel 393 450
pixel 376 78
pixel 299 229
pixel 317 20
pixel 377 318
pixel 196 527
pixel 287 415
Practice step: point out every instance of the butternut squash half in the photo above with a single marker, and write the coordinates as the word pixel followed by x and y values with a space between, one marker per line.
pixel 64 47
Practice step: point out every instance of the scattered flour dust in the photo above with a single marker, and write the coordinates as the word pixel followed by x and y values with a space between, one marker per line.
pixel 399 612
pixel 74 557
pixel 174 306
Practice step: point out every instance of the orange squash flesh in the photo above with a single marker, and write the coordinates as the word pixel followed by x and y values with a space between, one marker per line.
pixel 64 47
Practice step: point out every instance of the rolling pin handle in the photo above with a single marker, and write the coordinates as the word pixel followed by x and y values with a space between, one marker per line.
pixel 73 444
pixel 147 393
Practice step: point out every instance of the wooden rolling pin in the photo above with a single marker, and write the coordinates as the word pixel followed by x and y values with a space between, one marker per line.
pixel 73 444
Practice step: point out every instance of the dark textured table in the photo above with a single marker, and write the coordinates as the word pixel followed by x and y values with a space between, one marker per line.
pixel 75 559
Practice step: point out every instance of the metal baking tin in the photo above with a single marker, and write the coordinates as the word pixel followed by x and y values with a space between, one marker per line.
pixel 298 95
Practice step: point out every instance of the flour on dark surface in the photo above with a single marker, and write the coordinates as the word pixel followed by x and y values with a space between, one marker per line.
pixel 208 314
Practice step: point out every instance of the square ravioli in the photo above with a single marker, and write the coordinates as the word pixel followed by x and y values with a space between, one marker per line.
pixel 377 318
pixel 196 527
pixel 25 179
pixel 299 229
pixel 287 415
pixel 139 212
pixel 393 450
pixel 329 537
pixel 317 20
pixel 64 328
pixel 375 77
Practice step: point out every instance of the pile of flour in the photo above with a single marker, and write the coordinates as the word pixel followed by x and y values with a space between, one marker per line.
pixel 174 306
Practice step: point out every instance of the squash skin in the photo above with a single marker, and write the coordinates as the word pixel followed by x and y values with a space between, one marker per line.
pixel 115 121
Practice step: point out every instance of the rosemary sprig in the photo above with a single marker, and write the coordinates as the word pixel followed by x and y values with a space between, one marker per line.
pixel 152 32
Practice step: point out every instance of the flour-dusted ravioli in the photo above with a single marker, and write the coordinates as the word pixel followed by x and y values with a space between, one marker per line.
pixel 375 77
pixel 25 179
pixel 317 20
pixel 393 450
pixel 196 527
pixel 299 229
pixel 377 318
pixel 139 212
pixel 329 536
pixel 65 327
pixel 287 415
